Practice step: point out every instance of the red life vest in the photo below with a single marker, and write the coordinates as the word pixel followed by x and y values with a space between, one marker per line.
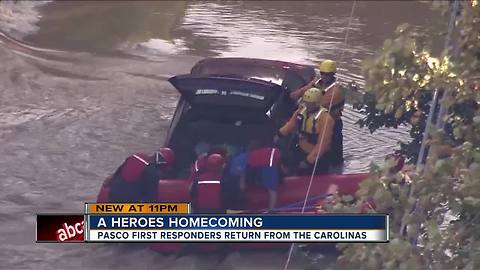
pixel 264 157
pixel 133 167
pixel 208 192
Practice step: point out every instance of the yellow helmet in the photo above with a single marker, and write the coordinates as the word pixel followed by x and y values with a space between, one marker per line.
pixel 312 95
pixel 328 66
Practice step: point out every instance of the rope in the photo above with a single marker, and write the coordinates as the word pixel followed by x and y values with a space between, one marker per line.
pixel 292 206
pixel 289 206
pixel 419 165
pixel 290 252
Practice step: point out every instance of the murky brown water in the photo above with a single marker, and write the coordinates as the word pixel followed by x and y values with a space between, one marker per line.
pixel 93 89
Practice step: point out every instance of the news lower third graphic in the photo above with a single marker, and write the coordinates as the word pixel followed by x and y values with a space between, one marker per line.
pixel 173 222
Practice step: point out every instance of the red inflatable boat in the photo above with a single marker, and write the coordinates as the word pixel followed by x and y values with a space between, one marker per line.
pixel 231 101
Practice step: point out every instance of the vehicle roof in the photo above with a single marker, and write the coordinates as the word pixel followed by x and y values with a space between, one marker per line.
pixel 268 70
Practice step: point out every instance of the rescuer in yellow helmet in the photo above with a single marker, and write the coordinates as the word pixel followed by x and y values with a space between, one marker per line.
pixel 327 69
pixel 310 122
pixel 333 100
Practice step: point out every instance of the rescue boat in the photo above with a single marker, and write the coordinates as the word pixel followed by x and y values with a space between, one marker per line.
pixel 231 101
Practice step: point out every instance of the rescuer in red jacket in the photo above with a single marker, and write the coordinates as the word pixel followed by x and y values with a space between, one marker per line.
pixel 136 180
pixel 206 192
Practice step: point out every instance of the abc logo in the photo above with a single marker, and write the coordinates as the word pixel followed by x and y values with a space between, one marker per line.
pixel 70 231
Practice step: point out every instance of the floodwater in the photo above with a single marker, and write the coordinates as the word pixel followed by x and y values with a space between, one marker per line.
pixel 89 88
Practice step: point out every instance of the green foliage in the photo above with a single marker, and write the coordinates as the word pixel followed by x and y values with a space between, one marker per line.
pixel 442 215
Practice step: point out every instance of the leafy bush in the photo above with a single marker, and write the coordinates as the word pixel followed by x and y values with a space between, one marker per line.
pixel 440 206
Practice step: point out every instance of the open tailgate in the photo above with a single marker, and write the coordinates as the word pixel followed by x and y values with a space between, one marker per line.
pixel 225 91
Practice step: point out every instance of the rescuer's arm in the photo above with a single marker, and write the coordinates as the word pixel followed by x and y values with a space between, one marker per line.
pixel 325 124
pixel 295 95
pixel 290 125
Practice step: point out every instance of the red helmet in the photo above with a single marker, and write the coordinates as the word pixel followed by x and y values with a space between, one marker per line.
pixel 215 162
pixel 165 155
pixel 218 150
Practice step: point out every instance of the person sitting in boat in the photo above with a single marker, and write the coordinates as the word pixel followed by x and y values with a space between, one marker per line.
pixel 136 180
pixel 206 190
pixel 203 150
pixel 314 128
pixel 263 164
pixel 233 182
pixel 327 69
